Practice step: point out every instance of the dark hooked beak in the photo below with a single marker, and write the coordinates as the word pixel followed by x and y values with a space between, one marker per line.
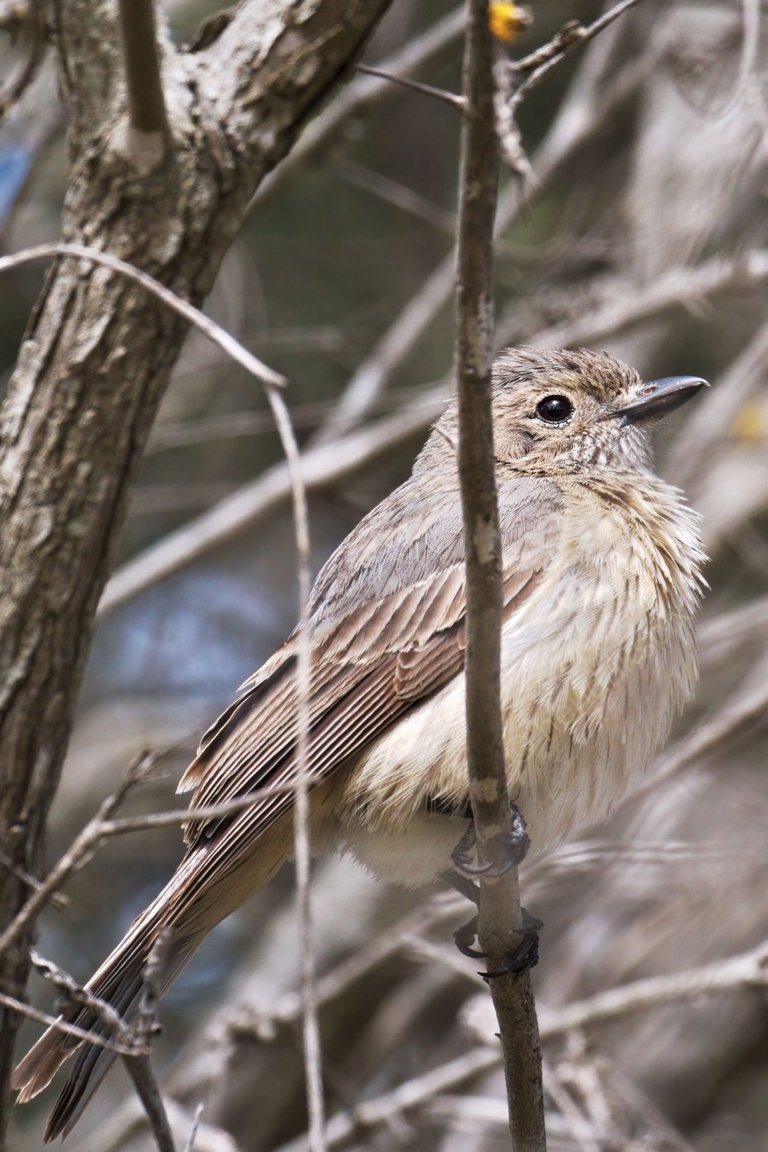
pixel 659 397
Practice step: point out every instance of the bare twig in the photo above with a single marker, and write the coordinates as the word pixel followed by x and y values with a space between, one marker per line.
pixel 319 466
pixel 621 304
pixel 441 94
pixel 500 916
pixel 398 194
pixel 139 1068
pixel 361 93
pixel 310 1024
pixel 139 1065
pixel 209 328
pixel 77 994
pixel 699 436
pixel 190 1144
pixel 725 633
pixel 745 711
pixel 22 20
pixel 62 1025
pixel 332 985
pixel 56 898
pixel 146 101
pixel 537 64
pixel 78 852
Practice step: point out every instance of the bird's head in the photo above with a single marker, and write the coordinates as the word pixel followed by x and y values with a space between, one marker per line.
pixel 582 408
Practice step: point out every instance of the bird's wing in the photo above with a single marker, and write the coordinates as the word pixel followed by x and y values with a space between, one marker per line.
pixel 371 662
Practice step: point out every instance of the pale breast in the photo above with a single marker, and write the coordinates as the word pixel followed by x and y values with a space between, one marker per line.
pixel 595 665
pixel 589 697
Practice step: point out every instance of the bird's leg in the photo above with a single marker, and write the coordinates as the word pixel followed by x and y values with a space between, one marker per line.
pixel 516 843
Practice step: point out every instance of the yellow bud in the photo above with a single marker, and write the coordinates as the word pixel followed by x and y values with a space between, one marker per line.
pixel 507 21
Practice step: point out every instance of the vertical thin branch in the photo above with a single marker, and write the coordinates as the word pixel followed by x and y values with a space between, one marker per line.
pixel 139 1066
pixel 500 920
pixel 142 1074
pixel 310 1023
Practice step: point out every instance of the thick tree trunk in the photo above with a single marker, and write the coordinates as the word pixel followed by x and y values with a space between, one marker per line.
pixel 98 351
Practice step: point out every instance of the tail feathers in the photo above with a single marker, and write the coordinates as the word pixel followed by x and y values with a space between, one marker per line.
pixel 92 1062
pixel 43 1060
pixel 119 983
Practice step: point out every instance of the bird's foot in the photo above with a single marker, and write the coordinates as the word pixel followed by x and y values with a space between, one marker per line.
pixel 515 842
pixel 524 955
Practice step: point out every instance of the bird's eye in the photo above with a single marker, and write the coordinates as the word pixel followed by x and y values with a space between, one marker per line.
pixel 554 409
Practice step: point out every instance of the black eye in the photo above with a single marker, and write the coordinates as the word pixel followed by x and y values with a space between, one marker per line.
pixel 554 409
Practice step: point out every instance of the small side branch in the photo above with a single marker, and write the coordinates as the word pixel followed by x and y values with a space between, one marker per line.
pixel 536 65
pixel 147 114
pixel 425 89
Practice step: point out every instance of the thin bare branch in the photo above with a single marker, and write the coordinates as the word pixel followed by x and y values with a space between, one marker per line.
pixel 310 1024
pixel 62 1025
pixel 147 115
pixel 22 21
pixel 77 994
pixel 399 938
pixel 198 1114
pixel 400 338
pixel 56 898
pixel 361 93
pixel 720 405
pixel 139 1066
pixel 141 1072
pixel 745 711
pixel 620 304
pixel 209 328
pixel 398 194
pixel 78 852
pixel 319 466
pixel 537 64
pixel 441 94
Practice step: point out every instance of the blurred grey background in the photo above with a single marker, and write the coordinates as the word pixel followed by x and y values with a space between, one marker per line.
pixel 644 233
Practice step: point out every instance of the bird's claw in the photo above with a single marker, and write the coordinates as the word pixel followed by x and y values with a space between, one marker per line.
pixel 463 938
pixel 515 842
pixel 525 955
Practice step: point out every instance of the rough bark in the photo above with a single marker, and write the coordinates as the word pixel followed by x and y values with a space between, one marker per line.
pixel 98 351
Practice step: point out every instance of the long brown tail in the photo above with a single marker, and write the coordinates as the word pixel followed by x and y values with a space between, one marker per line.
pixel 119 982
pixel 194 900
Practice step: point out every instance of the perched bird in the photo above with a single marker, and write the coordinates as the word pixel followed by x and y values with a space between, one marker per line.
pixel 601 581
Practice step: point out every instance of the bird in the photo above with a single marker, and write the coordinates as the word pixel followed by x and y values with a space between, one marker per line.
pixel 602 580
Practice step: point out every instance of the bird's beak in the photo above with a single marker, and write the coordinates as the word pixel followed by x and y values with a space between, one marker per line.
pixel 658 397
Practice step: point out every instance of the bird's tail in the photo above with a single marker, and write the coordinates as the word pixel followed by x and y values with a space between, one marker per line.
pixel 202 892
pixel 118 982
